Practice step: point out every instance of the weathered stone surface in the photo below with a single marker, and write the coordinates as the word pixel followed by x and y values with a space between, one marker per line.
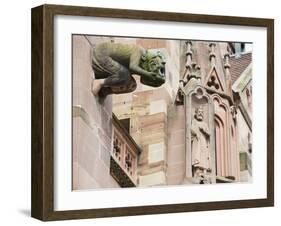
pixel 176 144
pixel 115 62
pixel 92 126
pixel 156 152
pixel 82 180
pixel 153 179
pixel 157 106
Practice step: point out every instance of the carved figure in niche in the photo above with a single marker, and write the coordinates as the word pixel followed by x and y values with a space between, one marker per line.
pixel 114 64
pixel 200 144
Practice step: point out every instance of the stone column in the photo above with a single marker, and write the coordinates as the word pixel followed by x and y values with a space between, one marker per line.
pixel 212 54
pixel 227 75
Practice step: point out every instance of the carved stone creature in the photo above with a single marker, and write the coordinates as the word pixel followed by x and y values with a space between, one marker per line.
pixel 114 64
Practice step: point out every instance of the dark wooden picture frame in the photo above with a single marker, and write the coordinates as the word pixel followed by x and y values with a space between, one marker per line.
pixel 42 203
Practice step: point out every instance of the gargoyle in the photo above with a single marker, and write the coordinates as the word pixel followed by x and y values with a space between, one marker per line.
pixel 115 63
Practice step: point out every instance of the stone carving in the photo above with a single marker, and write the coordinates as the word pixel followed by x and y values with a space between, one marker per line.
pixel 200 145
pixel 212 82
pixel 114 64
pixel 193 70
pixel 128 162
pixel 212 54
pixel 117 147
pixel 233 112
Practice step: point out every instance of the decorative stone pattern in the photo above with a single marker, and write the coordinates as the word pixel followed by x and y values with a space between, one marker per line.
pixel 124 153
pixel 118 173
pixel 220 111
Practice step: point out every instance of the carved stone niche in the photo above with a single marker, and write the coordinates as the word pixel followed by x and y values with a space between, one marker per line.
pixel 200 143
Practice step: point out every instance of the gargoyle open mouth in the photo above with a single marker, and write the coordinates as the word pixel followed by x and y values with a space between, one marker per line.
pixel 161 71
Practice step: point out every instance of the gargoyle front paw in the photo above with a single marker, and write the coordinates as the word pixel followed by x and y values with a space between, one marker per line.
pixel 96 86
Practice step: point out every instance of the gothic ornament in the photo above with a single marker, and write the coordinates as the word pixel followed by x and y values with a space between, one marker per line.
pixel 114 64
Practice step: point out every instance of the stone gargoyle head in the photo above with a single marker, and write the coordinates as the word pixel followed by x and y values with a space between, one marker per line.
pixel 153 61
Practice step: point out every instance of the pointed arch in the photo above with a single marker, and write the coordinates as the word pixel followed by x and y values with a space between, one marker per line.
pixel 223 155
pixel 220 146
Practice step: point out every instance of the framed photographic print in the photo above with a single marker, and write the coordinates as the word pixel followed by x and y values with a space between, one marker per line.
pixel 141 112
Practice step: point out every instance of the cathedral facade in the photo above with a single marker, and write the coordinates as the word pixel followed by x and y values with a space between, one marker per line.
pixel 194 129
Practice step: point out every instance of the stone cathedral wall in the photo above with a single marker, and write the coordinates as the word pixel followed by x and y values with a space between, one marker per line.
pixel 92 122
pixel 157 121
pixel 151 124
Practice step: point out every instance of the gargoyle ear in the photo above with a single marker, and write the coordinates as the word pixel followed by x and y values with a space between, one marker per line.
pixel 144 56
